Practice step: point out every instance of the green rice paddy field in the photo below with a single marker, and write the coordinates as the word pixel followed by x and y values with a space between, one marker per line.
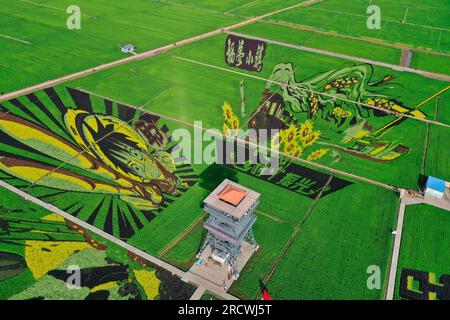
pixel 424 244
pixel 310 247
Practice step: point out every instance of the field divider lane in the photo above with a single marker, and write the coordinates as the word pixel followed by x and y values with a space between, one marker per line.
pixel 144 255
pixel 432 75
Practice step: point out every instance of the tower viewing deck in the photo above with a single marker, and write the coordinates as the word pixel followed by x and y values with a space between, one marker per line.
pixel 230 241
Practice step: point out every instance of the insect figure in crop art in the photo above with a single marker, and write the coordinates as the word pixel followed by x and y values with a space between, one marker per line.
pixel 118 157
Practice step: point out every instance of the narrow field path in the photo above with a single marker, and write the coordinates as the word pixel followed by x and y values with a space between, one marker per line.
pixel 396 251
pixel 248 143
pixel 404 64
pixel 405 60
pixel 427 138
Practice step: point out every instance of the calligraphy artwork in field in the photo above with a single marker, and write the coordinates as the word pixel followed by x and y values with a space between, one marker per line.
pixel 243 53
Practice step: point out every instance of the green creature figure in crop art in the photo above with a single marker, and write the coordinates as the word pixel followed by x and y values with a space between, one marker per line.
pixel 346 98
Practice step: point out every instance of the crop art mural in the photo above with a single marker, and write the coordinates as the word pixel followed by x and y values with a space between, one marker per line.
pixel 114 158
pixel 343 106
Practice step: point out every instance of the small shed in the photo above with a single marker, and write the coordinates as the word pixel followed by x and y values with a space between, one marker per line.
pixel 435 188
pixel 127 48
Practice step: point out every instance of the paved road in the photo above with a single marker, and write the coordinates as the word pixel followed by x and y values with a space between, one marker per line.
pixel 363 39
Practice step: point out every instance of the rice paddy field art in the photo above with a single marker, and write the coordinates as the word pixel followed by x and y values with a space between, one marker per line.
pixel 102 149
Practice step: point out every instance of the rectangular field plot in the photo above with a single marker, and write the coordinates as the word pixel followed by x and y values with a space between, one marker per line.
pixel 279 212
pixel 424 249
pixel 345 234
pixel 132 149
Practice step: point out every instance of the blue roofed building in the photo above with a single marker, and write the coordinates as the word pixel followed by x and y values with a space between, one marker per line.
pixel 435 188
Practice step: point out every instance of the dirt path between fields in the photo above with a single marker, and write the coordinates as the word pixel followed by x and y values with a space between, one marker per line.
pixel 405 58
pixel 147 54
pixel 254 145
pixel 271 217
